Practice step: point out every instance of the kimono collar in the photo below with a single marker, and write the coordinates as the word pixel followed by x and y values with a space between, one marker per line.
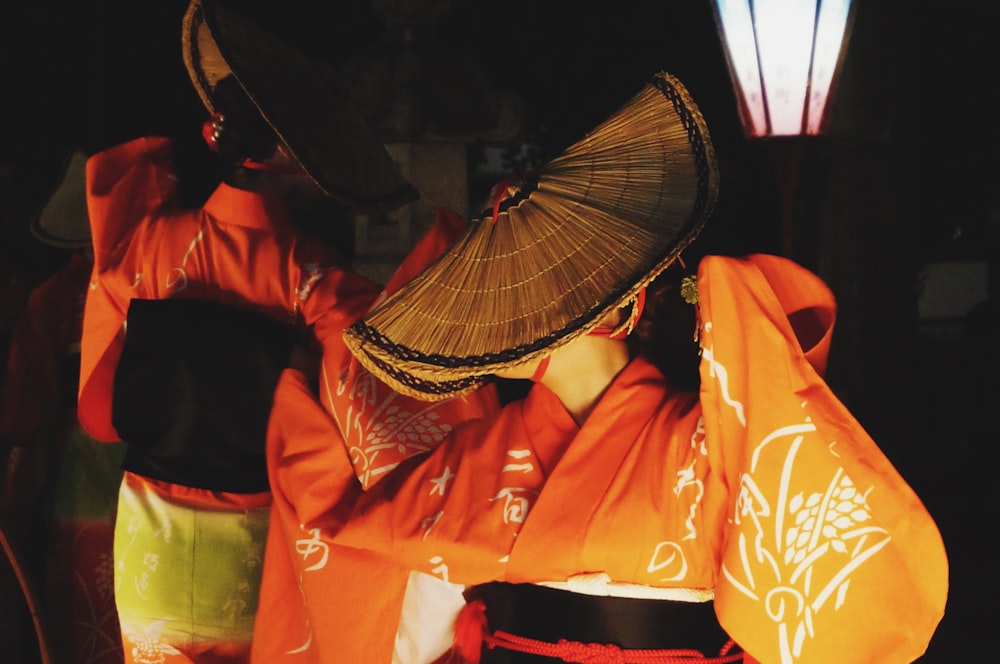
pixel 544 411
pixel 624 409
pixel 248 209
pixel 543 406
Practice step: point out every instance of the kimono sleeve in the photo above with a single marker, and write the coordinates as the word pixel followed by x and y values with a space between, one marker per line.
pixel 380 427
pixel 314 483
pixel 315 585
pixel 299 570
pixel 125 185
pixel 100 349
pixel 830 555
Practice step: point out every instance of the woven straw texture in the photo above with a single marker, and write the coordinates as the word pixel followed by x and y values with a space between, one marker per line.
pixel 553 252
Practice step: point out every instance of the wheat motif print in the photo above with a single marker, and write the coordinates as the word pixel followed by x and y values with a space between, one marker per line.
pixel 380 433
pixel 799 546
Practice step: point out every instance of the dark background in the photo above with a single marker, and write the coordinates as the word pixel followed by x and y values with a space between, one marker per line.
pixel 905 178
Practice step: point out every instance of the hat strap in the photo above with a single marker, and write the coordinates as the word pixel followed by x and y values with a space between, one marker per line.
pixel 540 369
pixel 614 333
pixel 625 329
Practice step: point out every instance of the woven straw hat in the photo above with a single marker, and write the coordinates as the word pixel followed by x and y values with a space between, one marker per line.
pixel 552 253
pixel 311 114
pixel 63 221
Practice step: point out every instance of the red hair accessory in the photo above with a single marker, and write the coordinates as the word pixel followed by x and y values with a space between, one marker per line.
pixel 212 130
pixel 501 192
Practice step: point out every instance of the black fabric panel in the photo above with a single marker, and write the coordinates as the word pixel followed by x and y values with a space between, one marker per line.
pixel 550 614
pixel 193 392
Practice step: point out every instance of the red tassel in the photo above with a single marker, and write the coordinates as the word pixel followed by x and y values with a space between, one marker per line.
pixel 469 630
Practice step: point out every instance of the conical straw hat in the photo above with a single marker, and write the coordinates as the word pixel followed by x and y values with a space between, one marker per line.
pixel 311 113
pixel 553 252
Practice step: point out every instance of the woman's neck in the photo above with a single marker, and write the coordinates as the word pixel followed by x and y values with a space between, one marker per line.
pixel 580 373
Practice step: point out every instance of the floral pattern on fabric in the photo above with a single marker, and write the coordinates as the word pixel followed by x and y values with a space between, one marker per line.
pixel 382 429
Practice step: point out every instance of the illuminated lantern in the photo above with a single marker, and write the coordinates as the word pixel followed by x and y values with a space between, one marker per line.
pixel 783 57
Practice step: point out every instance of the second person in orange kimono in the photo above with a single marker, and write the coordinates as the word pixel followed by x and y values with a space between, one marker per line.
pixel 620 512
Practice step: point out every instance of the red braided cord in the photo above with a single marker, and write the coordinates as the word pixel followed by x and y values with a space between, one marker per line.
pixel 602 653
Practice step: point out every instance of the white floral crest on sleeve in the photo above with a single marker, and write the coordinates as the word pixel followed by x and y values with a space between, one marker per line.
pixel 312 272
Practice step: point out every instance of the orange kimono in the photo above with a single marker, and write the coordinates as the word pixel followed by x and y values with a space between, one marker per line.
pixel 186 590
pixel 242 249
pixel 320 598
pixel 762 493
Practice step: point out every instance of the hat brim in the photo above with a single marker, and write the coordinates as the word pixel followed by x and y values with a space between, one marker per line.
pixel 602 221
pixel 311 113
pixel 63 220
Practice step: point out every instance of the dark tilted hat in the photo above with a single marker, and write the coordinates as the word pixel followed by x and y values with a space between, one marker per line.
pixel 551 254
pixel 309 112
pixel 63 221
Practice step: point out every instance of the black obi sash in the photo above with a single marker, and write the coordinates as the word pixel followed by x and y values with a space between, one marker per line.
pixel 193 392
pixel 549 614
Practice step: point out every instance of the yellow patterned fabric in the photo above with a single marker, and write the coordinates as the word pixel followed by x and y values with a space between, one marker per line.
pixel 187 578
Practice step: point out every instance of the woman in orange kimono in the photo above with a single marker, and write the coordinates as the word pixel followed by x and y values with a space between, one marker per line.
pixel 191 312
pixel 617 514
